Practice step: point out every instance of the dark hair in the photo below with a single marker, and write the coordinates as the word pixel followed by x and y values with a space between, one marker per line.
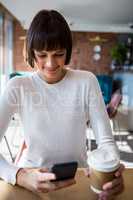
pixel 48 30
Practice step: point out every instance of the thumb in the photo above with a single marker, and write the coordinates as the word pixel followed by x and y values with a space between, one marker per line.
pixel 44 169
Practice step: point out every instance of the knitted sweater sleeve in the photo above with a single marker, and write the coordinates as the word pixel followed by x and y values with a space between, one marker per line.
pixel 98 116
pixel 8 106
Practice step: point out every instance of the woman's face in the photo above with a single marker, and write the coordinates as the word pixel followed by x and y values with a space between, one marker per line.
pixel 50 64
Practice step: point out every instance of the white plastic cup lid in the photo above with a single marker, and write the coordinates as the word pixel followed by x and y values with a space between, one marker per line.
pixel 104 159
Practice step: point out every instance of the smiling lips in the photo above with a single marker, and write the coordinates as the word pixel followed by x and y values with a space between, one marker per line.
pixel 52 71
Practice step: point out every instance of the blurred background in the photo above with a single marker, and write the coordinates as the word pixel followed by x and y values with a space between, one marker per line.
pixel 102 34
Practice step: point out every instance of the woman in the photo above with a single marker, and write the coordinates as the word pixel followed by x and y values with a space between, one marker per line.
pixel 54 104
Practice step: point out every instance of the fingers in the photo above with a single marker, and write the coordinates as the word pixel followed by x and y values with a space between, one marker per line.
pixel 110 193
pixel 62 184
pixel 112 188
pixel 46 187
pixel 113 184
pixel 120 170
pixel 39 180
pixel 42 177
pixel 104 197
pixel 45 175
pixel 44 169
pixel 51 186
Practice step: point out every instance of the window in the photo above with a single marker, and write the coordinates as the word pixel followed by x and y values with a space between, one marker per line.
pixel 6 48
pixel 1 47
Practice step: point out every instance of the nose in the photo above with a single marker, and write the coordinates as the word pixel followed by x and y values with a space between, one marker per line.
pixel 50 63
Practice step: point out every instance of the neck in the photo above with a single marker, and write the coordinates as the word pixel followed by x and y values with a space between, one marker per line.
pixel 56 80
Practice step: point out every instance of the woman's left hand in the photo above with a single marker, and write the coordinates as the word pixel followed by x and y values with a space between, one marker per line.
pixel 114 187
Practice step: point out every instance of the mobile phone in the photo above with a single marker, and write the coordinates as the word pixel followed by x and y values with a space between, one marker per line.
pixel 65 170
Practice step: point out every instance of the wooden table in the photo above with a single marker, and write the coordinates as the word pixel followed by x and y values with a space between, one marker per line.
pixel 79 191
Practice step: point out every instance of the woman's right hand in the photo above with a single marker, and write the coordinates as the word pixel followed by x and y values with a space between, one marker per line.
pixel 39 180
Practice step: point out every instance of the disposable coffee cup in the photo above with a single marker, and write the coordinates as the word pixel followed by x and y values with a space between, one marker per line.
pixel 103 164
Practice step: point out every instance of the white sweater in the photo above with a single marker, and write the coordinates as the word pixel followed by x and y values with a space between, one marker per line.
pixel 54 119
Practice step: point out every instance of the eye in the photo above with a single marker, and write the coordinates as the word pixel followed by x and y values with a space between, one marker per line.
pixel 60 54
pixel 42 56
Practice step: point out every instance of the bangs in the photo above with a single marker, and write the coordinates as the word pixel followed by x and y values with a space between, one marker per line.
pixel 50 40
